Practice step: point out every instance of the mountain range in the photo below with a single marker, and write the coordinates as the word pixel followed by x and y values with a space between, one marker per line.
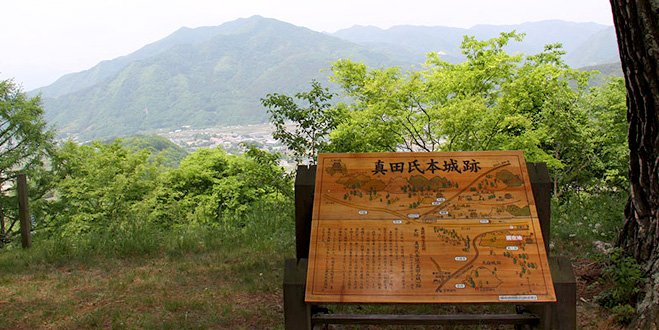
pixel 211 76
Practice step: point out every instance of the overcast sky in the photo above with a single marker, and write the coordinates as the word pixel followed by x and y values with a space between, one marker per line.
pixel 42 40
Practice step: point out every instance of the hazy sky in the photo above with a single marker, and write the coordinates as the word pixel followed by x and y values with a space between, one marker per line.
pixel 42 40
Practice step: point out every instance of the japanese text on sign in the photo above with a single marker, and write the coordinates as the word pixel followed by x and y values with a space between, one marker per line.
pixel 432 166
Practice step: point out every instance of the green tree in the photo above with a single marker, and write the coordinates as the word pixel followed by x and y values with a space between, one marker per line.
pixel 211 186
pixel 24 141
pixel 609 119
pixel 163 151
pixel 97 186
pixel 303 129
pixel 264 171
pixel 492 101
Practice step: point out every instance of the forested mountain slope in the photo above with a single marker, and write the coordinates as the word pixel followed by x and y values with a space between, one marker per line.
pixel 212 76
pixel 193 78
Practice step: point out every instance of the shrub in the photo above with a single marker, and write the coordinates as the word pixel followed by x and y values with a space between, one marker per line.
pixel 622 275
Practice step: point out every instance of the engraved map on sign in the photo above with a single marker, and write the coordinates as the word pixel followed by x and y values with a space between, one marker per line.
pixel 426 227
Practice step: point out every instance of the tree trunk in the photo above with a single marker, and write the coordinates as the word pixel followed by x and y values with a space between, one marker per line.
pixel 637 28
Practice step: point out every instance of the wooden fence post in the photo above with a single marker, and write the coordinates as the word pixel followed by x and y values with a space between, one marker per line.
pixel 23 210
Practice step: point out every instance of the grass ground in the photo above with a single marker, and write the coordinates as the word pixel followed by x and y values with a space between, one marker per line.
pixel 194 278
pixel 200 291
pixel 141 277
pixel 220 289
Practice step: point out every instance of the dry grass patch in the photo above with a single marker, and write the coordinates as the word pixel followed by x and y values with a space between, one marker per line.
pixel 208 290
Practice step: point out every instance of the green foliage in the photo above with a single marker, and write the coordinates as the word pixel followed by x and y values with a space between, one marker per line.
pixel 609 119
pixel 24 137
pixel 492 101
pixel 97 186
pixel 623 276
pixel 587 210
pixel 163 151
pixel 106 189
pixel 264 170
pixel 24 142
pixel 312 124
pixel 442 106
pixel 265 226
pixel 209 186
pixel 624 314
pixel 586 221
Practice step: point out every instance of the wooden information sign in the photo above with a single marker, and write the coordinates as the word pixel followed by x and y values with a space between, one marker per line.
pixel 426 228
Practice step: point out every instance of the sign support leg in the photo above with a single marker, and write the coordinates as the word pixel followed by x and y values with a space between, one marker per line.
pixel 297 314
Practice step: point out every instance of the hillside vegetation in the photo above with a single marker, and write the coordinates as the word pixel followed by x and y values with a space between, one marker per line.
pixel 210 76
pixel 200 81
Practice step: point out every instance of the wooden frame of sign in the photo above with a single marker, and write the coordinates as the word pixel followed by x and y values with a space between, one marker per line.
pixel 423 228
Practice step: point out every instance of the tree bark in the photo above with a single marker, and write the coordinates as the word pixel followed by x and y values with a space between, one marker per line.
pixel 637 28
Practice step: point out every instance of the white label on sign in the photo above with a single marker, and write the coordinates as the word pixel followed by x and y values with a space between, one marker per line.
pixel 518 297
pixel 363 212
pixel 441 199
pixel 484 221
pixel 436 203
pixel 460 286
pixel 512 248
pixel 460 258
pixel 413 215
pixel 398 222
pixel 443 212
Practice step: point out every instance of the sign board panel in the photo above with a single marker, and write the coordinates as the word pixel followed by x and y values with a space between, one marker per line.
pixel 456 227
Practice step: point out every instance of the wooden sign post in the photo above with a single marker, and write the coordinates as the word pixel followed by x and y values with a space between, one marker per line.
pixel 426 228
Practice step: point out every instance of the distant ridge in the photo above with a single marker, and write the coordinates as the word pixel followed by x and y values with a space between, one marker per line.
pixel 600 48
pixel 210 76
pixel 183 36
pixel 595 43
